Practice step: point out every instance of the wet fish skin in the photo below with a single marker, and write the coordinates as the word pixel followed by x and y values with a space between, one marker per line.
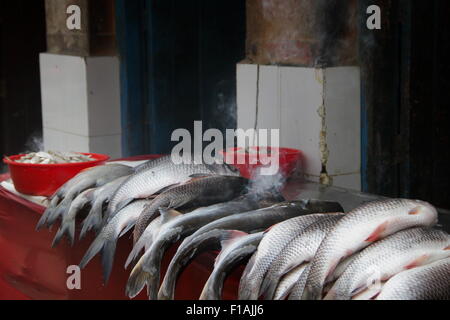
pixel 67 226
pixel 90 178
pixel 299 250
pixel 288 282
pixel 184 225
pixel 429 282
pixel 274 243
pixel 107 239
pixel 297 291
pixel 147 182
pixel 153 163
pixel 102 195
pixel 404 250
pixel 360 228
pixel 207 190
pixel 231 255
pixel 250 222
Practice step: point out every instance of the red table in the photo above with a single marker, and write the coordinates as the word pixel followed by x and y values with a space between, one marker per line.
pixel 31 269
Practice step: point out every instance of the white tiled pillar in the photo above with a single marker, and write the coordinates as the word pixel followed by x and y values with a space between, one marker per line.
pixel 316 110
pixel 81 103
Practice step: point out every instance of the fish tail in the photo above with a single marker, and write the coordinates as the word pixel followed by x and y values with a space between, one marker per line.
pixel 96 247
pixel 68 228
pixel 44 217
pixel 109 249
pixel 134 253
pixel 55 214
pixel 92 221
pixel 137 280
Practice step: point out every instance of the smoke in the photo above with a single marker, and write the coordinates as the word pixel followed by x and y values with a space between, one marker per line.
pixel 261 185
pixel 34 143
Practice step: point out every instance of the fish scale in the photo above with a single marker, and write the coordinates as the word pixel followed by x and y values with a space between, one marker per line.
pixel 274 242
pixel 430 282
pixel 390 256
pixel 358 229
pixel 299 250
pixel 146 182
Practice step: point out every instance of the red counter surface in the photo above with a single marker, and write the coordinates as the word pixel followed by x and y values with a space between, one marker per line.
pixel 31 269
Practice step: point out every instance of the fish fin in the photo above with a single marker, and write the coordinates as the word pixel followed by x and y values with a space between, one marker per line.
pixel 92 221
pixel 311 293
pixel 127 228
pixel 168 214
pixel 136 281
pixel 44 217
pixel 270 228
pixel 448 248
pixel 96 247
pixel 376 234
pixel 109 249
pixel 417 262
pixel 229 239
pixel 137 248
pixel 67 228
pixel 122 204
pixel 55 214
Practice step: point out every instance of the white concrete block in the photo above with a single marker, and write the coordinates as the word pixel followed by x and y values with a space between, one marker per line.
pixel 292 98
pixel 81 103
pixel 106 145
pixel 103 84
pixel 64 93
pixel 343 119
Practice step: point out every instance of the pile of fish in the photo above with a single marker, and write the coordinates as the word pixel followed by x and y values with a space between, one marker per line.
pixel 305 249
pixel 53 157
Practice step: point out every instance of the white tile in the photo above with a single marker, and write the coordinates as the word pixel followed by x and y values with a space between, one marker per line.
pixel 301 97
pixel 269 112
pixel 110 145
pixel 64 93
pixel 246 95
pixel 63 141
pixel 349 181
pixel 103 83
pixel 343 119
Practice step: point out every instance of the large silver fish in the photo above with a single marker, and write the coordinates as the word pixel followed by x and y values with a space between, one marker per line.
pixel 179 228
pixel 87 179
pixel 430 282
pixel 106 241
pixel 382 260
pixel 147 182
pixel 251 222
pixel 288 282
pixel 101 197
pixel 299 250
pixel 233 253
pixel 204 191
pixel 360 228
pixel 153 163
pixel 274 243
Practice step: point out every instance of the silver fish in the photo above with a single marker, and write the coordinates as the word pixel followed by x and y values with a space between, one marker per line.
pixel 178 226
pixel 430 282
pixel 233 253
pixel 87 179
pixel 288 282
pixel 251 222
pixel 274 243
pixel 360 228
pixel 147 182
pixel 102 195
pixel 106 241
pixel 153 163
pixel 299 250
pixel 181 227
pixel 207 190
pixel 297 290
pixel 384 259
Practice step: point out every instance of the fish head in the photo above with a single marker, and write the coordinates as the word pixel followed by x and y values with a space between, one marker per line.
pixel 422 211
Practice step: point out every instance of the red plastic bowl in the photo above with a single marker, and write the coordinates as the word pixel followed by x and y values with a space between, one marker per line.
pixel 45 179
pixel 288 159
